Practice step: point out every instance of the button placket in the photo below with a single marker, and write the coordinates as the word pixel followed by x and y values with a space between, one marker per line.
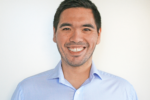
pixel 78 94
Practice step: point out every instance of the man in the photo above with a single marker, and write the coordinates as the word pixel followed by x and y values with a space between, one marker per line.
pixel 77 29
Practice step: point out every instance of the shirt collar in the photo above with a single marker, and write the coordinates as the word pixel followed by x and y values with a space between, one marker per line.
pixel 94 72
pixel 58 73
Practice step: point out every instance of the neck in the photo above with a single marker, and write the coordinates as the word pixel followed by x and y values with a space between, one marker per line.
pixel 76 75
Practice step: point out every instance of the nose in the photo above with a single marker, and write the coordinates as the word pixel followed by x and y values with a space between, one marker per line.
pixel 76 36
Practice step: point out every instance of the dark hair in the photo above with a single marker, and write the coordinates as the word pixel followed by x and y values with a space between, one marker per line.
pixel 77 3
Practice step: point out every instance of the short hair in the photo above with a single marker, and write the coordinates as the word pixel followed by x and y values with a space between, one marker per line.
pixel 77 3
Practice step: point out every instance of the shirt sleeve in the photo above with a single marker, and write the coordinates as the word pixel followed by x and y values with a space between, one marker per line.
pixel 18 94
pixel 133 95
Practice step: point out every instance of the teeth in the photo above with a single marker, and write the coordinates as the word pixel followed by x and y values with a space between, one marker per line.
pixel 75 49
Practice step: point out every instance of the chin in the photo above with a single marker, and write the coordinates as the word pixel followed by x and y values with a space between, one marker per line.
pixel 76 63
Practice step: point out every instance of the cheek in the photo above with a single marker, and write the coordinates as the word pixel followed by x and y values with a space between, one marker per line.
pixel 63 37
pixel 61 40
pixel 92 39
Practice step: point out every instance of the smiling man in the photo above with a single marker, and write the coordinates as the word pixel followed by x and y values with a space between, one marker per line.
pixel 77 29
pixel 76 37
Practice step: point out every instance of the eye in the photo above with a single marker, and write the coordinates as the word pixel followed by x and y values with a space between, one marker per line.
pixel 66 29
pixel 86 29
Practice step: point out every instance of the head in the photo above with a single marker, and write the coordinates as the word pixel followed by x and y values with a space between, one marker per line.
pixel 77 29
pixel 77 3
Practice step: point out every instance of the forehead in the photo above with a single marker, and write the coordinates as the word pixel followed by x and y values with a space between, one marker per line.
pixel 77 15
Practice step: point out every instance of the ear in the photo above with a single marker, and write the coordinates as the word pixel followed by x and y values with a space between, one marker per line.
pixel 54 35
pixel 99 35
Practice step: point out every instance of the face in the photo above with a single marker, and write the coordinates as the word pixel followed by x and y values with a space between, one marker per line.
pixel 76 36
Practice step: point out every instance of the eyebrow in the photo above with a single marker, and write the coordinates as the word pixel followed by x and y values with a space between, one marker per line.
pixel 65 24
pixel 88 25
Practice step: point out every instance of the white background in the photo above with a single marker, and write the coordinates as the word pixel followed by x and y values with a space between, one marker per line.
pixel 26 46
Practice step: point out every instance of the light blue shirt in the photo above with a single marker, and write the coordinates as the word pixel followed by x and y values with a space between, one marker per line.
pixel 51 85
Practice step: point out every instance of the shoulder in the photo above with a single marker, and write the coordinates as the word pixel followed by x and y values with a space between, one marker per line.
pixel 38 78
pixel 31 84
pixel 118 83
pixel 114 79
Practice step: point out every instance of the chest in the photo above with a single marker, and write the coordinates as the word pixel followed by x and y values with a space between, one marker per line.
pixel 62 92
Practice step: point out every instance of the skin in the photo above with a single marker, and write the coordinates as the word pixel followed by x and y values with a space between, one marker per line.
pixel 76 29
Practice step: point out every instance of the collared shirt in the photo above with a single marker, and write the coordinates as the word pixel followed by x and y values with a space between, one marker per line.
pixel 51 85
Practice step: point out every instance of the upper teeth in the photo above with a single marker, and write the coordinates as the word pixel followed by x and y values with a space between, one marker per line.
pixel 75 49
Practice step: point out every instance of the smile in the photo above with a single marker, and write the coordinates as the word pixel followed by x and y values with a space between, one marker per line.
pixel 76 49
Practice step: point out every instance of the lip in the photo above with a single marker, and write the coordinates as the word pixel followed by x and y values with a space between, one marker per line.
pixel 76 46
pixel 79 53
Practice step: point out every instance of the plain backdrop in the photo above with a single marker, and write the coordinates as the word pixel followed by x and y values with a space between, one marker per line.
pixel 26 46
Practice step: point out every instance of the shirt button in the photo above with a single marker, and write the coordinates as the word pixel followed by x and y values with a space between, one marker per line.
pixel 78 92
